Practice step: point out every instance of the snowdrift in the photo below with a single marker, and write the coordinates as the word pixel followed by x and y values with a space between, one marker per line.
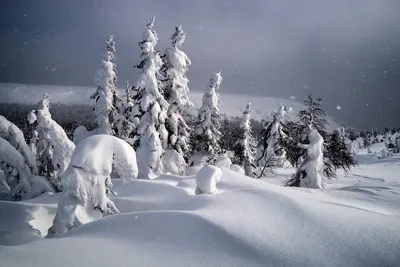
pixel 355 222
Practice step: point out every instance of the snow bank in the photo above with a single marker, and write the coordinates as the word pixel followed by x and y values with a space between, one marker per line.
pixel 354 222
pixel 207 179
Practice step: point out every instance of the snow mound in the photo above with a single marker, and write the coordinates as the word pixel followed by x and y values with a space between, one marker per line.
pixel 207 179
pixel 354 222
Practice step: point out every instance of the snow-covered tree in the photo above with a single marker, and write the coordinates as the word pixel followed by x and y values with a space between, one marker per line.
pixel 206 137
pixel 18 164
pixel 150 108
pixel 54 149
pixel 87 181
pixel 106 97
pixel 270 153
pixel 175 91
pixel 311 172
pixel 245 149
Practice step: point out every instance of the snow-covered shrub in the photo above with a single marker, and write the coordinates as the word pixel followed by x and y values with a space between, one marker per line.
pixel 21 182
pixel 87 181
pixel 150 107
pixel 206 135
pixel 175 91
pixel 310 173
pixel 11 133
pixel 173 162
pixel 54 149
pixel 207 179
pixel 384 154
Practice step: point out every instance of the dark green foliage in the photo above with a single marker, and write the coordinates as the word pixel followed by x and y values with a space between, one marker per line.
pixel 338 152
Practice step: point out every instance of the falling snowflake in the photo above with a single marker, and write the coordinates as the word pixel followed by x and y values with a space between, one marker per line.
pixel 306 86
pixel 338 107
pixel 293 97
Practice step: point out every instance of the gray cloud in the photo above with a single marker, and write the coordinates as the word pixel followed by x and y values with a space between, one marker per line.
pixel 344 51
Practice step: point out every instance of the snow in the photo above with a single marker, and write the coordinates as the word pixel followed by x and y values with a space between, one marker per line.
pixel 207 179
pixel 237 168
pixel 252 222
pixel 224 160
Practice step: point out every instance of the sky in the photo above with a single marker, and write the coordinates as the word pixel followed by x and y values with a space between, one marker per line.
pixel 347 52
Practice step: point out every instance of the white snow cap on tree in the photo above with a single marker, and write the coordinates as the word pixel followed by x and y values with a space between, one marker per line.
pixel 176 90
pixel 87 181
pixel 105 109
pixel 11 133
pixel 151 107
pixel 208 121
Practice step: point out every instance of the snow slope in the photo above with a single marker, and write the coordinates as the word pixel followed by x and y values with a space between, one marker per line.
pixel 355 222
pixel 232 104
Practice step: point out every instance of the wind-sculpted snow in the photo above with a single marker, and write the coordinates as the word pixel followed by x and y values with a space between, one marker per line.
pixel 252 222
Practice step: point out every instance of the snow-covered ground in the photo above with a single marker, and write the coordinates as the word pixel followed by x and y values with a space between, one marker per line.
pixel 354 222
pixel 231 104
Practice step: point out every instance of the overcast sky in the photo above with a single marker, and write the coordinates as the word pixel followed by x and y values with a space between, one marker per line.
pixel 346 51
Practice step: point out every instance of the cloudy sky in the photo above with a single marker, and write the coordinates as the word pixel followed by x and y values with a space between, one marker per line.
pixel 346 51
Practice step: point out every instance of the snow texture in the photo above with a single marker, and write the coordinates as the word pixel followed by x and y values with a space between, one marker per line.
pixel 237 168
pixel 207 179
pixel 87 181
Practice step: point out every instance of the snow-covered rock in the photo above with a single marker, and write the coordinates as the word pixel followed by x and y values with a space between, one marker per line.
pixel 207 179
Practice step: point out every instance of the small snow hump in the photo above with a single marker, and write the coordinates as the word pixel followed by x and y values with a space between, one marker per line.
pixel 207 179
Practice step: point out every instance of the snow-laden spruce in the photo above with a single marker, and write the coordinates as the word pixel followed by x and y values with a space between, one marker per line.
pixel 11 133
pixel 175 91
pixel 207 179
pixel 54 149
pixel 150 107
pixel 206 136
pixel 245 149
pixel 107 103
pixel 125 124
pixel 311 172
pixel 269 151
pixel 87 181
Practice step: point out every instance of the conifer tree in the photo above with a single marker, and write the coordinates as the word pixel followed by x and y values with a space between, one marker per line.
pixel 175 91
pixel 150 108
pixel 206 136
pixel 107 101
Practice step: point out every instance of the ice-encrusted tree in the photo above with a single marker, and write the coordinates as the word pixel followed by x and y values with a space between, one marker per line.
pixel 270 153
pixel 106 97
pixel 150 108
pixel 245 149
pixel 54 149
pixel 205 141
pixel 311 172
pixel 175 91
pixel 87 181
